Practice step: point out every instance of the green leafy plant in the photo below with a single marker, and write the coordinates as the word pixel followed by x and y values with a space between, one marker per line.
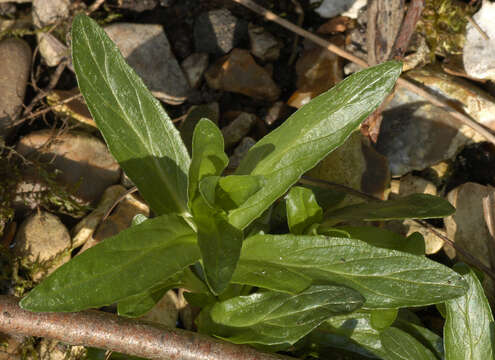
pixel 321 285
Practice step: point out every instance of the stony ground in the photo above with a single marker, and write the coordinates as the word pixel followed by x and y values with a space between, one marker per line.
pixel 58 181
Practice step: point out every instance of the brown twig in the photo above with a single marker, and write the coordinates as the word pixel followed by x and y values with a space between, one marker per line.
pixel 44 111
pixel 108 331
pixel 407 28
pixel 477 27
pixel 94 6
pixel 116 202
pixel 467 256
pixel 435 100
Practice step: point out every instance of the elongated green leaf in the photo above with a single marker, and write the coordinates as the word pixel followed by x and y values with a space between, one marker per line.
pixel 121 266
pixel 310 134
pixel 357 328
pixel 402 346
pixel 302 209
pixel 220 245
pixel 383 318
pixel 139 304
pixel 415 206
pixel 139 133
pixel 386 278
pixel 208 156
pixel 273 318
pixel 469 331
pixel 234 190
pixel 426 337
pixel 384 238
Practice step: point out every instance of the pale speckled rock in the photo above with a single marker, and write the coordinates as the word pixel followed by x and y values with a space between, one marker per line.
pixel 277 111
pixel 15 60
pixel 46 12
pixel 120 219
pixel 147 50
pixel 479 53
pixel 79 157
pixel 194 67
pixel 467 228
pixel 238 72
pixel 165 312
pixel 51 49
pixel 42 239
pixel 264 45
pixel 238 128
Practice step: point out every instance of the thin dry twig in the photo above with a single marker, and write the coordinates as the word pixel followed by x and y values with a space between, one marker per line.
pixel 45 110
pixel 467 256
pixel 435 100
pixel 407 28
pixel 108 331
pixel 477 27
pixel 94 6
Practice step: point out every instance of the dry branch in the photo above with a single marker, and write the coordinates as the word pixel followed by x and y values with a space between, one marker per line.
pixel 108 331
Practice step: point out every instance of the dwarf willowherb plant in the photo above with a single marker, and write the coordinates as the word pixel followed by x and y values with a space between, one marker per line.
pixel 313 286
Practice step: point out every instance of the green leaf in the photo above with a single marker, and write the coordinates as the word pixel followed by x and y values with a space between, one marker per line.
pixel 272 318
pixel 469 328
pixel 310 134
pixel 399 345
pixel 415 206
pixel 425 336
pixel 302 209
pixel 121 266
pixel 139 304
pixel 357 328
pixel 386 278
pixel 220 244
pixel 383 238
pixel 139 133
pixel 208 156
pixel 194 115
pixel 234 190
pixel 383 318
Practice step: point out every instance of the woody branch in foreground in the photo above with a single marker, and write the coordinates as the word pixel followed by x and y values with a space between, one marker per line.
pixel 108 331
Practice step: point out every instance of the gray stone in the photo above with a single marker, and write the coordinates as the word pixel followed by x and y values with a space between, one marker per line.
pixel 46 12
pixel 415 134
pixel 194 67
pixel 42 240
pixel 138 5
pixel 479 53
pixel 218 32
pixel 331 8
pixel 264 45
pixel 238 128
pixel 81 159
pixel 15 60
pixel 147 50
pixel 241 150
pixel 51 49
